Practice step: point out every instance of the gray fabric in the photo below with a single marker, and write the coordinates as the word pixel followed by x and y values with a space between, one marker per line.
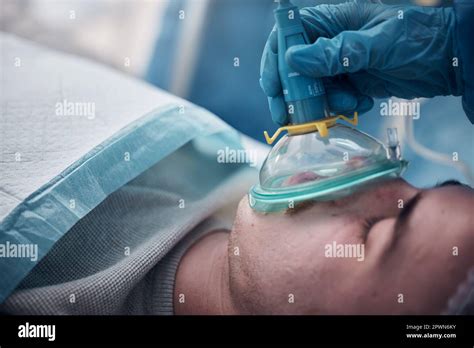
pixel 89 262
pixel 155 294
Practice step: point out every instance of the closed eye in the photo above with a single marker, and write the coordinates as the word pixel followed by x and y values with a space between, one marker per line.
pixel 405 214
pixel 368 223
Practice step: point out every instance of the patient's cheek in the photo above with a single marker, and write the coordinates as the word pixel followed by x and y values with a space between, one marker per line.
pixel 251 271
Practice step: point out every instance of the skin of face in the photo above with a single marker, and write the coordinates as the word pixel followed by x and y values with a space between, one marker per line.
pixel 417 248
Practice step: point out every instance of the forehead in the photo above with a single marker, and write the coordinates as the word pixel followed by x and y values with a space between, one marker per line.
pixel 454 199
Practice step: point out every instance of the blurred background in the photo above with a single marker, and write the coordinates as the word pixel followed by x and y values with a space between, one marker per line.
pixel 208 51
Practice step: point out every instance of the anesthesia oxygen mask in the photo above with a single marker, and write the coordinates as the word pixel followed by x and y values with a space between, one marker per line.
pixel 319 158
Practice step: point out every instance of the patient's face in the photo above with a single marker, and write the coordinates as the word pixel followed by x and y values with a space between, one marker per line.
pixel 391 248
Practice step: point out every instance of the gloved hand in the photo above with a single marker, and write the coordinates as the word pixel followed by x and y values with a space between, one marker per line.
pixel 364 51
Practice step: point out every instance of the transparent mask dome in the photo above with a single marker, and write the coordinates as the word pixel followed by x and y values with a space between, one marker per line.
pixel 302 159
pixel 306 166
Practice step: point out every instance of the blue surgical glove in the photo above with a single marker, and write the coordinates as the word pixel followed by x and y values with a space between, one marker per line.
pixel 364 51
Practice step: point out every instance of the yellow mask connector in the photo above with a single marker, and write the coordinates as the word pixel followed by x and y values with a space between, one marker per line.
pixel 320 126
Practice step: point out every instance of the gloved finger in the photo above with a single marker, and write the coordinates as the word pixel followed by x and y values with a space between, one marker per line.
pixel 269 76
pixel 340 94
pixel 341 100
pixel 330 20
pixel 370 85
pixel 384 85
pixel 344 98
pixel 348 52
pixel 347 101
pixel 278 109
pixel 364 104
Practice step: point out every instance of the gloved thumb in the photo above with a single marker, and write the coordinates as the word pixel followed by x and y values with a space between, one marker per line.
pixel 347 52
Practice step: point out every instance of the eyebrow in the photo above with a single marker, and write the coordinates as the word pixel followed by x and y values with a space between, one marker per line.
pixel 452 183
pixel 405 215
pixel 448 183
